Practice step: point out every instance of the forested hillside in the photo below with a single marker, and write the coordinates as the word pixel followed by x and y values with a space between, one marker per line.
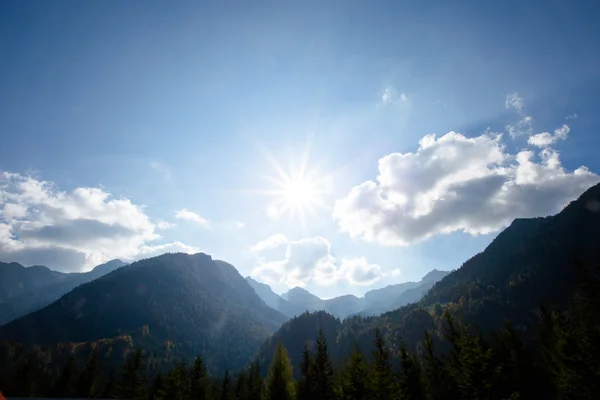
pixel 530 263
pixel 174 305
pixel 27 289
pixel 564 363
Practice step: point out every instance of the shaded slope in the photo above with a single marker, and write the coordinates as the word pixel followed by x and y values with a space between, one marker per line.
pixel 188 304
pixel 531 262
pixel 40 286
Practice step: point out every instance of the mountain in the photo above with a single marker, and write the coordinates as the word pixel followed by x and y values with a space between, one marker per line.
pixel 532 262
pixel 27 289
pixel 391 297
pixel 375 302
pixel 16 279
pixel 303 298
pixel 340 307
pixel 174 305
pixel 273 300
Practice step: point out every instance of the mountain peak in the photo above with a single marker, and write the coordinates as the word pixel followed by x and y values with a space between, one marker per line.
pixel 298 294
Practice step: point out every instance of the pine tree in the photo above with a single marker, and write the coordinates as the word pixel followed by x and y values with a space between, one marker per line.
pixel 323 370
pixel 356 384
pixel 225 393
pixel 241 386
pixel 434 375
pixel 306 384
pixel 255 382
pixel 89 384
pixel 157 388
pixel 279 383
pixel 132 384
pixel 199 383
pixel 66 385
pixel 411 383
pixel 384 384
pixel 176 386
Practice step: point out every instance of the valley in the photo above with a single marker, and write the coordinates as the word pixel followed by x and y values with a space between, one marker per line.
pixel 177 306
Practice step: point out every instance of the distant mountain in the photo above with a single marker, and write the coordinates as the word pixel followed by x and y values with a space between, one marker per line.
pixel 273 300
pixel 175 305
pixel 393 297
pixel 531 262
pixel 303 298
pixel 375 302
pixel 27 289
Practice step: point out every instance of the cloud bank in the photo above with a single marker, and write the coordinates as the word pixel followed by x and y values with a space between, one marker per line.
pixel 76 230
pixel 309 261
pixel 459 183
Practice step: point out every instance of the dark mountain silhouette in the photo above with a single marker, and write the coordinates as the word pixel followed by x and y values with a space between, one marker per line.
pixel 177 303
pixel 27 289
pixel 532 262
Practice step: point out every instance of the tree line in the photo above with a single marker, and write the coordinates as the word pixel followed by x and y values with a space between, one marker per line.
pixel 564 364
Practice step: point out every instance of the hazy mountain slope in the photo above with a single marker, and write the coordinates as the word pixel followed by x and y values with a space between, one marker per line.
pixel 188 304
pixel 16 279
pixel 395 296
pixel 41 286
pixel 375 302
pixel 273 300
pixel 530 262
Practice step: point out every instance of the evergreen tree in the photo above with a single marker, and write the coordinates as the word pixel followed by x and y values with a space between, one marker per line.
pixel 306 384
pixel 323 370
pixel 157 388
pixel 356 384
pixel 225 392
pixel 384 384
pixel 255 382
pixel 279 383
pixel 411 383
pixel 241 386
pixel 132 384
pixel 176 386
pixel 434 375
pixel 199 382
pixel 89 384
pixel 110 386
pixel 66 385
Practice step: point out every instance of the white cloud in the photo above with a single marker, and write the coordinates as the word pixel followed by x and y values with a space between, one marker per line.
pixel 390 95
pixel 358 272
pixel 387 96
pixel 525 125
pixel 193 217
pixel 572 116
pixel 514 100
pixel 456 183
pixel 309 260
pixel 546 139
pixel 164 225
pixel 174 247
pixel 69 231
pixel 271 242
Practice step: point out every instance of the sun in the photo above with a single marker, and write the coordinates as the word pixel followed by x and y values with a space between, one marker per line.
pixel 297 191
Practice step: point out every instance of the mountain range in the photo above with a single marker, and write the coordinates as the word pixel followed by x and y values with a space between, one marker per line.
pixel 174 305
pixel 27 289
pixel 178 305
pixel 532 262
pixel 298 300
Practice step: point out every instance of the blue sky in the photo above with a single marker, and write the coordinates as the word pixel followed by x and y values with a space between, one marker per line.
pixel 132 128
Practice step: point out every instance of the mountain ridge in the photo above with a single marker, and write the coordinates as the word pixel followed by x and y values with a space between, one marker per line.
pixel 298 300
pixel 213 312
